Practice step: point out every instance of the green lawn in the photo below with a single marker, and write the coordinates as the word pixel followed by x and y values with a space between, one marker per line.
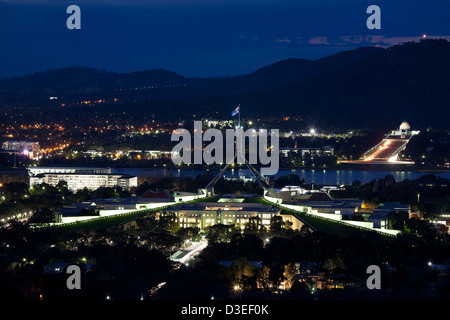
pixel 256 200
pixel 318 223
pixel 321 224
pixel 104 222
pixel 108 222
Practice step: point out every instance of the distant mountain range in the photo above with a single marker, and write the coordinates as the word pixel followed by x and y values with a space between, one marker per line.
pixel 368 86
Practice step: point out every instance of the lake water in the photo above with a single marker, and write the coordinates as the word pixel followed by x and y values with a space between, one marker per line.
pixel 322 177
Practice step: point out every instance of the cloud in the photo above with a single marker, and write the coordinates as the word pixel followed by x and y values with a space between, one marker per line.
pixel 352 39
pixel 253 37
pixel 319 40
pixel 284 40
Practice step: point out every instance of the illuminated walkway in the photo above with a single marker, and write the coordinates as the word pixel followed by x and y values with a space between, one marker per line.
pixel 387 150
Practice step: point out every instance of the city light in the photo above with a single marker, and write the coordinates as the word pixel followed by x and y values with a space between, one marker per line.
pixel 89 184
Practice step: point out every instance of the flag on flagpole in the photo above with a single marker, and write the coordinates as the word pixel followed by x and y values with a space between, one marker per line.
pixel 235 111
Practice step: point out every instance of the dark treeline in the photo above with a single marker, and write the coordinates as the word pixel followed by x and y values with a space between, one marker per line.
pixel 342 258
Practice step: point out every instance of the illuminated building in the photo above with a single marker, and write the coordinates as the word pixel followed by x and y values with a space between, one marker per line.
pixel 205 214
pixel 30 149
pixel 403 131
pixel 80 177
pixel 316 202
pixel 80 170
pixel 323 151
pixel 21 146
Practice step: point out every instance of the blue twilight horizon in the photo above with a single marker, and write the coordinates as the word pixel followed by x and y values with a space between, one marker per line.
pixel 202 38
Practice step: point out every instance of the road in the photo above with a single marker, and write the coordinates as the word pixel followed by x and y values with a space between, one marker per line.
pixel 186 254
pixel 386 150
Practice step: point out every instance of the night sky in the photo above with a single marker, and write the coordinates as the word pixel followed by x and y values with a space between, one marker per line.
pixel 202 38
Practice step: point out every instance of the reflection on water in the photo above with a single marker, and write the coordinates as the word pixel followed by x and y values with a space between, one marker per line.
pixel 324 177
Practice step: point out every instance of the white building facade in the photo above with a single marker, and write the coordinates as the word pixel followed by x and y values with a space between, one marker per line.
pixel 80 178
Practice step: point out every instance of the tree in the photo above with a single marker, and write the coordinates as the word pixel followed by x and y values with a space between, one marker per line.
pixel 304 231
pixel 105 193
pixel 62 184
pixel 164 240
pixel 188 233
pixel 43 216
pixel 142 188
pixel 262 278
pixel 253 225
pixel 289 275
pixel 288 224
pixel 167 221
pixel 221 232
pixel 421 228
pixel 82 195
pixel 276 224
pixel 356 183
pixel 337 262
pixel 242 271
pixel 15 191
pixel 396 220
pixel 250 246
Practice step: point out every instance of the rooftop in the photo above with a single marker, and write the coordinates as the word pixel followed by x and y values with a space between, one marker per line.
pixel 224 206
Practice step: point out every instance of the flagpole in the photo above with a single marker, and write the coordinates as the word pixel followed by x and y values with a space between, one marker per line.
pixel 239 119
pixel 239 116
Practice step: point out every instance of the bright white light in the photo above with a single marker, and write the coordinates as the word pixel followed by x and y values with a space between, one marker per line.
pixel 393 159
pixel 312 131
